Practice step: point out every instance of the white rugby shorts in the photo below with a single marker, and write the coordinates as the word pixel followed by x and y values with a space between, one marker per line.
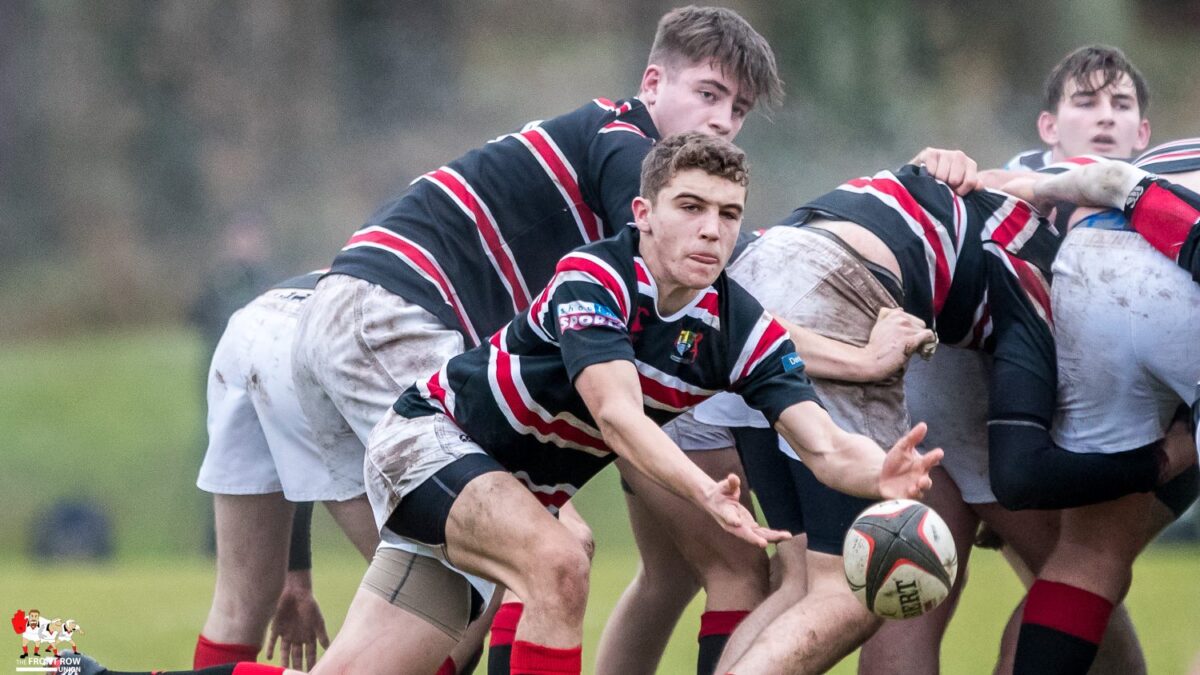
pixel 1127 329
pixel 259 441
pixel 358 346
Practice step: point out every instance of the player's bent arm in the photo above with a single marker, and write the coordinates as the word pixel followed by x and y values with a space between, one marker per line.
pixel 853 463
pixel 613 396
pixel 894 338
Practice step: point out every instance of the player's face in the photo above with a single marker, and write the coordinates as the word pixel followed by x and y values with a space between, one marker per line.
pixel 697 98
pixel 689 230
pixel 1107 122
pixel 34 616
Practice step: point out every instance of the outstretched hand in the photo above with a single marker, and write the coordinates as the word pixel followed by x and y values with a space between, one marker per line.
pixel 298 625
pixel 724 506
pixel 905 472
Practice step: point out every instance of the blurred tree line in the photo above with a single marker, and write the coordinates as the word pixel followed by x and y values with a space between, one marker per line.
pixel 133 131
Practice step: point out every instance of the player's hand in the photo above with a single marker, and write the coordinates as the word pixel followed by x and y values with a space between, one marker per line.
pixel 952 167
pixel 1179 446
pixel 298 624
pixel 723 504
pixel 18 621
pixel 896 336
pixel 905 472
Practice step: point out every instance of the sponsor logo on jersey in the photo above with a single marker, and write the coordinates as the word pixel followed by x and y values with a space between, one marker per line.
pixel 792 362
pixel 578 314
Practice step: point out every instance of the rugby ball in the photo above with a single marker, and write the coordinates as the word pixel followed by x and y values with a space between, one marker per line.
pixel 900 559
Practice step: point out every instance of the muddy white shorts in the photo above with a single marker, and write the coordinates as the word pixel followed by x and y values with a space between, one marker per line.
pixel 692 435
pixel 358 346
pixel 258 439
pixel 1127 330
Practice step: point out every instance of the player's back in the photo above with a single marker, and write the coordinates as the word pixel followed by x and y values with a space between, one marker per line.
pixel 471 241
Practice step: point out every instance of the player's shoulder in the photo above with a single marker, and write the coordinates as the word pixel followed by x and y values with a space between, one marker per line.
pixel 1173 157
pixel 1029 160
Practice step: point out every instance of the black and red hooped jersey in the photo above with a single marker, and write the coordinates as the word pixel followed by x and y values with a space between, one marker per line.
pixel 473 241
pixel 513 394
pixel 937 238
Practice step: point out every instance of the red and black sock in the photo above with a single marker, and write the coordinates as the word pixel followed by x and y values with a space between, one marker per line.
pixel 532 659
pixel 1061 629
pixel 504 630
pixel 209 653
pixel 715 629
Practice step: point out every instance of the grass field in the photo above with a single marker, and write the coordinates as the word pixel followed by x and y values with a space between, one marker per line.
pixel 116 418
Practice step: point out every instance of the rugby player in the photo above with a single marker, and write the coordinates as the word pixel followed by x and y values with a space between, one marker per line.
pixel 1094 102
pixel 1112 288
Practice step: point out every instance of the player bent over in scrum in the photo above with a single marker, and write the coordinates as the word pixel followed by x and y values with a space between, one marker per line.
pixel 1112 288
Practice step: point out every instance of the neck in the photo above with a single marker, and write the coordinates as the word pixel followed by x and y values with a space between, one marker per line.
pixel 672 296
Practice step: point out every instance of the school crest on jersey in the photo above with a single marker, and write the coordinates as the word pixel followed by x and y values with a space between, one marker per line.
pixel 687 346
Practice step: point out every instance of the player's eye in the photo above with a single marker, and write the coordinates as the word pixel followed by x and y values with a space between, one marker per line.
pixel 707 95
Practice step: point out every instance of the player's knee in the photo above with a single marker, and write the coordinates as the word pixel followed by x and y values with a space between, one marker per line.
pixel 559 574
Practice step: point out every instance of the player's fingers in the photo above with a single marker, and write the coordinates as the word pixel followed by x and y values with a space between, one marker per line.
pixel 310 655
pixel 322 636
pixel 914 436
pixel 298 655
pixel 271 644
pixel 772 535
pixel 932 458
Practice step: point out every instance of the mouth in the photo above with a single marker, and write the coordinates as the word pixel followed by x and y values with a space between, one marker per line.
pixel 704 258
pixel 1103 141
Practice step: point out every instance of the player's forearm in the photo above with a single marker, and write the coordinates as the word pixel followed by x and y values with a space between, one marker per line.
pixel 640 441
pixel 830 359
pixel 846 462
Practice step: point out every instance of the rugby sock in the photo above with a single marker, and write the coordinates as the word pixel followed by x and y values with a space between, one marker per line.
pixel 531 659
pixel 448 667
pixel 1061 629
pixel 224 669
pixel 715 629
pixel 500 645
pixel 209 653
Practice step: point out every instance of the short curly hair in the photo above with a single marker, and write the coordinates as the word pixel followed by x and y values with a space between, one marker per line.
pixel 692 150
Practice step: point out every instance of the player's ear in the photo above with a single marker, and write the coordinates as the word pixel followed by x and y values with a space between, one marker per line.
pixel 652 79
pixel 641 213
pixel 1143 136
pixel 1047 125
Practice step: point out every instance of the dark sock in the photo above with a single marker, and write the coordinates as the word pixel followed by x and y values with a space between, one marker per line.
pixel 1061 629
pixel 715 629
pixel 504 630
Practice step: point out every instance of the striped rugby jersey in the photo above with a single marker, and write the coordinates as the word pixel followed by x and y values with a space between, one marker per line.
pixel 513 394
pixel 1030 160
pixel 937 238
pixel 472 241
pixel 1174 157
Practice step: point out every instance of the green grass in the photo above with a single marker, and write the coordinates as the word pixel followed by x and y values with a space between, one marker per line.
pixel 117 417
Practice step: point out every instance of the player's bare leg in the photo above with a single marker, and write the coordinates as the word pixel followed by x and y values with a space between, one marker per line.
pixel 356 520
pixel 816 633
pixel 733 573
pixel 788 565
pixel 641 623
pixel 913 646
pixel 253 534
pixel 1030 536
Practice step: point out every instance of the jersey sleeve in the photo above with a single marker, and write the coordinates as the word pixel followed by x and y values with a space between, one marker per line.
pixel 587 313
pixel 615 165
pixel 767 372
pixel 1168 216
pixel 1027 469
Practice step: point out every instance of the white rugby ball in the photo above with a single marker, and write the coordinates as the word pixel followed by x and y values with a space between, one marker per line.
pixel 900 559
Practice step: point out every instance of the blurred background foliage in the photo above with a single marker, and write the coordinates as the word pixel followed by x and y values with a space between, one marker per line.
pixel 133 133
